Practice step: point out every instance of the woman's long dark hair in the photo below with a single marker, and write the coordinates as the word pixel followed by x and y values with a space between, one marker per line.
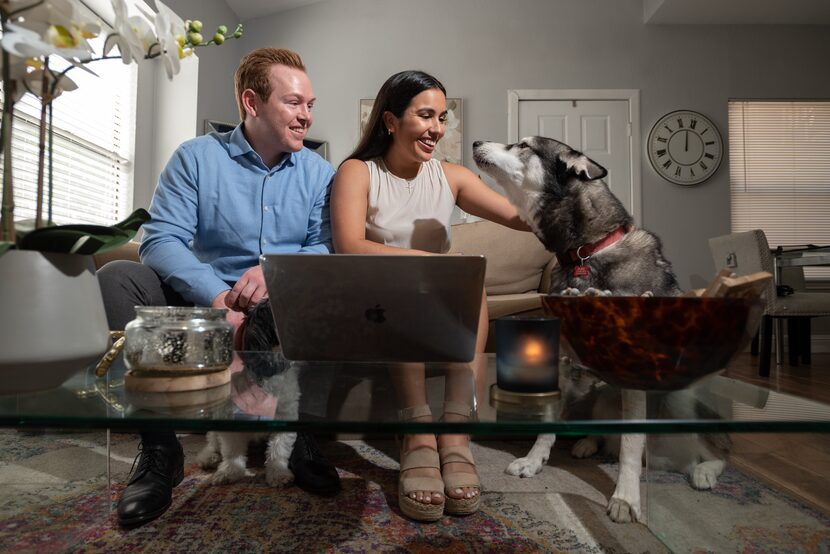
pixel 394 96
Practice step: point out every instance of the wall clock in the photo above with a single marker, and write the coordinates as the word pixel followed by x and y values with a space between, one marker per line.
pixel 685 147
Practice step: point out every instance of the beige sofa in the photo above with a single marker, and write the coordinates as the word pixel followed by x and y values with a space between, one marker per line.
pixel 518 267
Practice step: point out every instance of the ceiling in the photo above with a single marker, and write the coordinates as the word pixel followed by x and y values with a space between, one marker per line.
pixel 655 12
pixel 250 9
pixel 736 12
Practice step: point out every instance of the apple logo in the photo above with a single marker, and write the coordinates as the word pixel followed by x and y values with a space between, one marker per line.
pixel 375 314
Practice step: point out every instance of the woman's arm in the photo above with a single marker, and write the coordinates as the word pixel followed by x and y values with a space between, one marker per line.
pixel 474 197
pixel 349 204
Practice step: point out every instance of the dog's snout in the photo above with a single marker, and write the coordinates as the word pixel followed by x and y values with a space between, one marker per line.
pixel 478 143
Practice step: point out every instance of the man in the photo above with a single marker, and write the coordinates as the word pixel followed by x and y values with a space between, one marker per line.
pixel 221 201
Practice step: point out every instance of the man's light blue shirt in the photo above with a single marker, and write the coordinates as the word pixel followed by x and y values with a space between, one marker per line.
pixel 217 207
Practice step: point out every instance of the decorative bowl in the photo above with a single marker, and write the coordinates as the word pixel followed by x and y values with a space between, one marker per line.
pixel 654 343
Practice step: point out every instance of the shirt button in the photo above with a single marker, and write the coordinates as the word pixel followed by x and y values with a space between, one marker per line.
pixel 265 208
pixel 264 241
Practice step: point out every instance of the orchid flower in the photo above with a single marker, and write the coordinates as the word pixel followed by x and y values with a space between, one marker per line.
pixel 18 68
pixel 26 43
pixel 132 35
pixel 59 27
pixel 170 29
pixel 34 82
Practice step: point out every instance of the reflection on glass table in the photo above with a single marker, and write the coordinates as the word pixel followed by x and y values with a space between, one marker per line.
pixel 360 398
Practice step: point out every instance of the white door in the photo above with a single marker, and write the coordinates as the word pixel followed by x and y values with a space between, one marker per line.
pixel 601 124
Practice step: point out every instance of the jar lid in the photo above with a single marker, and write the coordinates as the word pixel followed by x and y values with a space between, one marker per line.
pixel 180 313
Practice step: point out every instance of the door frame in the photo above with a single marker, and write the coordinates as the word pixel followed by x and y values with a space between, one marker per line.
pixel 632 96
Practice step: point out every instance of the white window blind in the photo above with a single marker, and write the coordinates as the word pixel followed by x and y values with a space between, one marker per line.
pixel 94 130
pixel 780 171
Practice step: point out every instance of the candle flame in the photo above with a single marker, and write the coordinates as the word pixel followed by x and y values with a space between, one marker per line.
pixel 533 351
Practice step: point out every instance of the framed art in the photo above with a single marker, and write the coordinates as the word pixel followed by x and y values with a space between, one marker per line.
pixel 212 125
pixel 450 147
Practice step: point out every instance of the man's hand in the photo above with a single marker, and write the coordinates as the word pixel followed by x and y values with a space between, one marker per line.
pixel 234 317
pixel 248 291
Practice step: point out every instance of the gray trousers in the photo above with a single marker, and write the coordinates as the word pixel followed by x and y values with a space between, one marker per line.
pixel 125 285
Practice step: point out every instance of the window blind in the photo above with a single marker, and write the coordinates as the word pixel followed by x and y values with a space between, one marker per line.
pixel 780 171
pixel 94 131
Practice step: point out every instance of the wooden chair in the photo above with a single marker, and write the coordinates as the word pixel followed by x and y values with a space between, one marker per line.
pixel 748 252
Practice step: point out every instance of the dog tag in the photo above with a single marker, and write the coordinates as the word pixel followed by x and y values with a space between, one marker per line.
pixel 581 270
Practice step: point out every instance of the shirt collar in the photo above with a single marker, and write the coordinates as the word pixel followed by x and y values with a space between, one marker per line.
pixel 239 146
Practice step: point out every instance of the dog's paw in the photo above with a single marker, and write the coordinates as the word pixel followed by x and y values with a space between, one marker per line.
pixel 570 291
pixel 229 473
pixel 621 511
pixel 585 448
pixel 208 458
pixel 278 476
pixel 524 467
pixel 591 291
pixel 705 475
pixel 647 294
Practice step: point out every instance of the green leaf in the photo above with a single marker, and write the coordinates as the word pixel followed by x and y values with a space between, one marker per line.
pixel 82 239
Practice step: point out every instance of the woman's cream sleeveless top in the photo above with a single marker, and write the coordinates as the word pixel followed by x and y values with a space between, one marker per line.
pixel 410 213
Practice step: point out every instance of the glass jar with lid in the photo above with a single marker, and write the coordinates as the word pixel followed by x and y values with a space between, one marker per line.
pixel 176 339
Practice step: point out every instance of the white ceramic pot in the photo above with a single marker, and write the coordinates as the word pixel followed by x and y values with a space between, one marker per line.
pixel 52 319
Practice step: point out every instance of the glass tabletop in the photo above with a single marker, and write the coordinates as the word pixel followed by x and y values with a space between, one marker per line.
pixel 266 392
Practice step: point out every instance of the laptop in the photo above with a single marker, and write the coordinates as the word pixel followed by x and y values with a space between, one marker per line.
pixel 375 308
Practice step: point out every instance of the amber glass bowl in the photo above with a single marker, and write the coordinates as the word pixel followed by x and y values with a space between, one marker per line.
pixel 658 343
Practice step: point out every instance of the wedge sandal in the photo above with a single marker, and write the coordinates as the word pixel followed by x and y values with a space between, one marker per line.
pixel 420 457
pixel 460 454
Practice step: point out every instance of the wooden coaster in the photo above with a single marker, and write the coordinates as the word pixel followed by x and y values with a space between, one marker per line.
pixel 180 402
pixel 143 382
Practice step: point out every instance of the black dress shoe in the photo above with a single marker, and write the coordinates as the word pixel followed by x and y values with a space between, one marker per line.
pixel 150 490
pixel 312 471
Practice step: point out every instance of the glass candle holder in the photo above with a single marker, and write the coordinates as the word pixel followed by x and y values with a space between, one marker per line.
pixel 527 354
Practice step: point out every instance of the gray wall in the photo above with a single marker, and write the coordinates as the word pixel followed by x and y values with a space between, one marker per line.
pixel 482 48
pixel 216 97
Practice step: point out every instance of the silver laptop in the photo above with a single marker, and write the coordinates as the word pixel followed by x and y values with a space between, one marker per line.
pixel 344 307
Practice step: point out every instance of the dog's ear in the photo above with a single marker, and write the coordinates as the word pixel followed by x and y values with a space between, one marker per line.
pixel 586 169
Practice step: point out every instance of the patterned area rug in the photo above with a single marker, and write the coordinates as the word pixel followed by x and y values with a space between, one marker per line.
pixel 55 499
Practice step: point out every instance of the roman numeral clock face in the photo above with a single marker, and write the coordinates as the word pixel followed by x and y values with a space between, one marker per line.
pixel 685 147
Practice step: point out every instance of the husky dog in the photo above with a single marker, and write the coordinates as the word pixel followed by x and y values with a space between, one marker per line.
pixel 560 194
pixel 227 451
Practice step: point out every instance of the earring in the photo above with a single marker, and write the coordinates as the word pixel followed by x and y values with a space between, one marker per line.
pixel 388 130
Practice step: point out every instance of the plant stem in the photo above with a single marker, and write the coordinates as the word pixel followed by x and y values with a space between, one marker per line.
pixel 45 99
pixel 51 149
pixel 7 232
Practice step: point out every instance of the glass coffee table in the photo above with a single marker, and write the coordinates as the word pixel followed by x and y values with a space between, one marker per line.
pixel 352 398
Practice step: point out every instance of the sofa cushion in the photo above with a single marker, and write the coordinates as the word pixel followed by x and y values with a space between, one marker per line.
pixel 516 260
pixel 127 251
pixel 509 304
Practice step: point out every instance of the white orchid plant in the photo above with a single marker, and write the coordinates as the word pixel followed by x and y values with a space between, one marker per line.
pixel 35 31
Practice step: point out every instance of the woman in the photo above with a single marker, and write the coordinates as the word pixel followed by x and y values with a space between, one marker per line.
pixel 391 197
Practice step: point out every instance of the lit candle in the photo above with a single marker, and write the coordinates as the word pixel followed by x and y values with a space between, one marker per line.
pixel 527 354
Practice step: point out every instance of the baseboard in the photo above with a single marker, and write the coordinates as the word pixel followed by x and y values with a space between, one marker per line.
pixel 820 343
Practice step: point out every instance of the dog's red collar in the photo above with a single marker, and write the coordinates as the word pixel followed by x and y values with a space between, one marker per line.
pixel 577 255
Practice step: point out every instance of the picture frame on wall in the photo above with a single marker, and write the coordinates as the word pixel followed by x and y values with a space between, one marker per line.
pixel 450 147
pixel 211 125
